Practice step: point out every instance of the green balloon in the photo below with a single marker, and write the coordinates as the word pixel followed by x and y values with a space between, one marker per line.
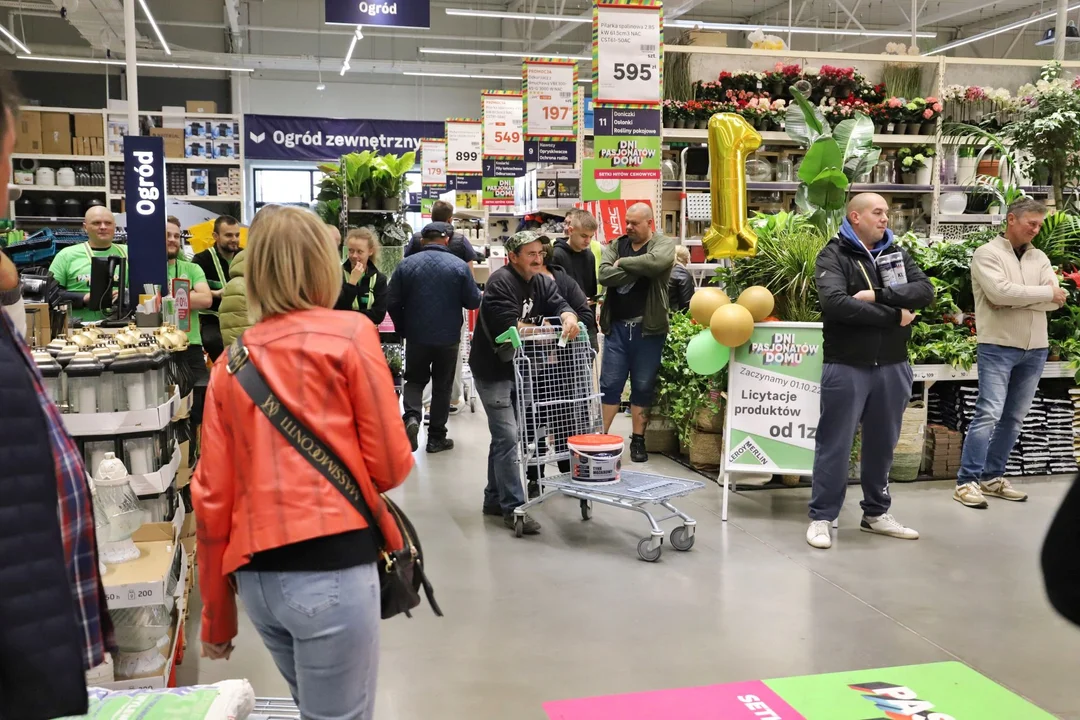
pixel 705 356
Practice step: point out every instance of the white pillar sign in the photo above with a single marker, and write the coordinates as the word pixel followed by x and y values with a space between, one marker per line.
pixel 432 162
pixel 504 136
pixel 463 146
pixel 550 89
pixel 627 54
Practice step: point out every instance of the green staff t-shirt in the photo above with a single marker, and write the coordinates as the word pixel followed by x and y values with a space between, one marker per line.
pixel 193 273
pixel 71 268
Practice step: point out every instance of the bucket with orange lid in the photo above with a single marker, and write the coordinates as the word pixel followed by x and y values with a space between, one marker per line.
pixel 595 459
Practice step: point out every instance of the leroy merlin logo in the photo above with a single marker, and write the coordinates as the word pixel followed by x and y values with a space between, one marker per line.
pixel 897 702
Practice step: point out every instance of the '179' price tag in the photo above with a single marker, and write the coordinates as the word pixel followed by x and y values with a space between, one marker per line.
pixel 628 51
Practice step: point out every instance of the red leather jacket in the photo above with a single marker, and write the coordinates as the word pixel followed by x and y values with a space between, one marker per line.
pixel 251 490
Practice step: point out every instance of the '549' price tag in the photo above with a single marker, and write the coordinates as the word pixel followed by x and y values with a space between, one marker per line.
pixel 628 54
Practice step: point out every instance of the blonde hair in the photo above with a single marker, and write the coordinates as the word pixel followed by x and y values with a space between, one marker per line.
pixel 368 235
pixel 291 265
pixel 682 254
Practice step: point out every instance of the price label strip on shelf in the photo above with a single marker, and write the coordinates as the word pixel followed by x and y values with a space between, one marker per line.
pixel 550 109
pixel 464 139
pixel 627 54
pixel 433 161
pixel 504 134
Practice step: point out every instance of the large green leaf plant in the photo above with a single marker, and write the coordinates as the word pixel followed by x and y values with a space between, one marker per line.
pixel 834 158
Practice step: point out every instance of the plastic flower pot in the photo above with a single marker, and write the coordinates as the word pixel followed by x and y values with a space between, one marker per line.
pixel 913 128
pixel 900 128
pixel 929 127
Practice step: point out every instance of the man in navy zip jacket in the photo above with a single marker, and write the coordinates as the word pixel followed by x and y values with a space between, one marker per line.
pixel 427 293
pixel 869 289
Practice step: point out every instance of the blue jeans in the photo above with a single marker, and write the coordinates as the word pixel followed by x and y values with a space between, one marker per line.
pixel 1008 378
pixel 503 476
pixel 629 353
pixel 322 629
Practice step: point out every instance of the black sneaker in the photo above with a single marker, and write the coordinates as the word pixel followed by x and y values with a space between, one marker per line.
pixel 438 446
pixel 493 510
pixel 531 526
pixel 534 489
pixel 412 429
pixel 637 450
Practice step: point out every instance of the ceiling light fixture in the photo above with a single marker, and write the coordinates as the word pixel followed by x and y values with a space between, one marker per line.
pixel 153 24
pixel 502 53
pixel 358 35
pixel 734 27
pixel 141 63
pixel 998 30
pixel 583 81
pixel 11 36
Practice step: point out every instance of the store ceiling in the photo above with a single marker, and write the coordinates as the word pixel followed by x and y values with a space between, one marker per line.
pixel 287 36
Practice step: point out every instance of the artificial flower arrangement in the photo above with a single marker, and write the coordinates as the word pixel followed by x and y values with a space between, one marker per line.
pixel 914 158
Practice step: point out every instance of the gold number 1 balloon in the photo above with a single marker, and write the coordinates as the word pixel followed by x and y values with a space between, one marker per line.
pixel 731 140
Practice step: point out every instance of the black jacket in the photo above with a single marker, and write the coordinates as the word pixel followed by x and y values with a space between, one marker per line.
pixel 205 260
pixel 427 294
pixel 508 299
pixel 680 288
pixel 576 299
pixel 459 245
pixel 1059 555
pixel 41 651
pixel 375 306
pixel 865 333
pixel 580 265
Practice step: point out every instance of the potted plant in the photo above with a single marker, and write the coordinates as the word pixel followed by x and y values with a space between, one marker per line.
pixel 913 115
pixel 930 113
pixel 388 179
pixel 897 116
pixel 669 112
pixel 916 164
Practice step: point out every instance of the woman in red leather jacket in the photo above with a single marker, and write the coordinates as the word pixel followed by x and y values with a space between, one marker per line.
pixel 270 527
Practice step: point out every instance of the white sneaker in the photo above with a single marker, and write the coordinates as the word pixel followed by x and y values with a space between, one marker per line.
pixel 455 409
pixel 1002 488
pixel 887 525
pixel 819 534
pixel 970 495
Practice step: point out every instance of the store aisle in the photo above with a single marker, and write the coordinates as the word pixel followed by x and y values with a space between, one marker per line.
pixel 573 612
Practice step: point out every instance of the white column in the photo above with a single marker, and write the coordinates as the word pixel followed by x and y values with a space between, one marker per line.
pixel 130 36
pixel 1060 26
pixel 914 22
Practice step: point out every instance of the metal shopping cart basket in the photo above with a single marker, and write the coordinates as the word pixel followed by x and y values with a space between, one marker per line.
pixel 275 709
pixel 557 398
pixel 468 387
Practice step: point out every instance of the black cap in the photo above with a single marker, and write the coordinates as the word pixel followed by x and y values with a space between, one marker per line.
pixel 437 230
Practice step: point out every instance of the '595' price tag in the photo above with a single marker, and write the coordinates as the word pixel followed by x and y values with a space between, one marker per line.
pixel 628 54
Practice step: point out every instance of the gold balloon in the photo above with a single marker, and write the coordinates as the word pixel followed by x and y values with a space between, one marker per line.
pixel 758 300
pixel 731 140
pixel 731 325
pixel 704 302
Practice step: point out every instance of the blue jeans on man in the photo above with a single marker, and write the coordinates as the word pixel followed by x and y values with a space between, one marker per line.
pixel 1008 378
pixel 504 490
pixel 629 353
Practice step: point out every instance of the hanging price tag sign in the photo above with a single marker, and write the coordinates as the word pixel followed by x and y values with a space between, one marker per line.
pixel 627 53
pixel 504 136
pixel 463 142
pixel 432 162
pixel 550 92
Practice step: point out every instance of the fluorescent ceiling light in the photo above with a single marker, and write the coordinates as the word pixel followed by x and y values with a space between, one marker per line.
pixel 502 53
pixel 141 63
pixel 998 30
pixel 583 81
pixel 153 24
pixel 734 27
pixel 358 35
pixel 10 36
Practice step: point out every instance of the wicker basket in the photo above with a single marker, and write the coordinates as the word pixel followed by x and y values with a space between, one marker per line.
pixel 706 450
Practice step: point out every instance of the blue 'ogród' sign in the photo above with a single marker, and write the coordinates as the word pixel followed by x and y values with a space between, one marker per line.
pixel 388 13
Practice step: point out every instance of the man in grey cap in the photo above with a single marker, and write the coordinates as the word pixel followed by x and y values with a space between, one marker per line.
pixel 517 295
pixel 426 296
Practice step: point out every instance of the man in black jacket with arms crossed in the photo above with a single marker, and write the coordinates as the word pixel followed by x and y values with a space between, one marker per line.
pixel 869 289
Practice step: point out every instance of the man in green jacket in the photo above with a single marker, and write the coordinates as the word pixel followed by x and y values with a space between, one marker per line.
pixel 634 319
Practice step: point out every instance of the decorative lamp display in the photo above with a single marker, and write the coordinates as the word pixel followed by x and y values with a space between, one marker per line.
pixel 116 511
pixel 140 629
pixel 94 451
pixel 50 371
pixel 131 369
pixel 129 336
pixel 140 455
pixel 84 380
pixel 66 353
pixel 107 390
pixel 55 345
pixel 159 360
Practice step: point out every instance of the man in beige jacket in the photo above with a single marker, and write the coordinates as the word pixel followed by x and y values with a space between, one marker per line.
pixel 1015 286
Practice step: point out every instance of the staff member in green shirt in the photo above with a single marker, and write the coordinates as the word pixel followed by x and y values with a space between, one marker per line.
pixel 215 261
pixel 200 298
pixel 71 266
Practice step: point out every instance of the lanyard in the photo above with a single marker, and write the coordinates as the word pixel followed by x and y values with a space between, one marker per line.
pixel 90 253
pixel 217 265
pixel 369 298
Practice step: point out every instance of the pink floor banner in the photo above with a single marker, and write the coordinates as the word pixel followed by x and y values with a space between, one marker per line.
pixel 737 701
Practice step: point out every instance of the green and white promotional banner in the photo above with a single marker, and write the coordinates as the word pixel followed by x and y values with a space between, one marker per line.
pixel 464 145
pixel 550 108
pixel 498 182
pixel 504 136
pixel 628 52
pixel 774 400
pixel 432 161
pixel 627 154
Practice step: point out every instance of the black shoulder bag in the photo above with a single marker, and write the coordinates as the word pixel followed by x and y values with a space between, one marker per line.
pixel 401 573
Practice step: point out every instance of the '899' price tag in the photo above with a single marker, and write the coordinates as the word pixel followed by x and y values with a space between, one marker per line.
pixel 463 141
pixel 628 54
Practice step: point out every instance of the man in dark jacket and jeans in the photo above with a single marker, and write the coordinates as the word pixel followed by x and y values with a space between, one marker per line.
pixel 869 290
pixel 517 295
pixel 427 293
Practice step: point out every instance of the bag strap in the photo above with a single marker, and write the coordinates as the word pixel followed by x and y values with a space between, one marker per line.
pixel 299 435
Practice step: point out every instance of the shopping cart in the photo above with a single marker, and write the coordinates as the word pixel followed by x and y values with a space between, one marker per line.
pixel 468 388
pixel 275 709
pixel 557 398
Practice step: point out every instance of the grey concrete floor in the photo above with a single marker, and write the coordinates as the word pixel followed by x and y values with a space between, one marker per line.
pixel 574 613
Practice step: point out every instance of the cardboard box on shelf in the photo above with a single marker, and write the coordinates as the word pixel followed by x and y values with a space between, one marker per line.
pixel 201 106
pixel 117 423
pixel 222 186
pixel 234 173
pixel 183 471
pixel 172 116
pixel 198 148
pixel 159 678
pixel 197 130
pixel 157 482
pixel 97 146
pixel 173 139
pixel 28 139
pixel 224 129
pixel 198 181
pixel 56 133
pixel 89 125
pixel 145 580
